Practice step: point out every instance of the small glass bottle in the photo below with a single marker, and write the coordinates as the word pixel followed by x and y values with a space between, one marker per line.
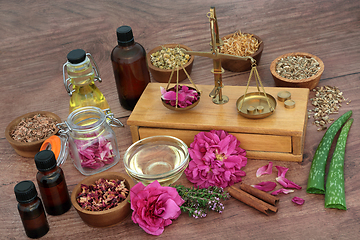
pixel 130 69
pixel 31 210
pixel 92 143
pixel 82 77
pixel 52 184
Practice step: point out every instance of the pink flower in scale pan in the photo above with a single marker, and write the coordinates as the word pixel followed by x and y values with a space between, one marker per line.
pixel 284 181
pixel 154 207
pixel 282 190
pixel 265 186
pixel 186 96
pixel 216 160
pixel 267 169
pixel 298 200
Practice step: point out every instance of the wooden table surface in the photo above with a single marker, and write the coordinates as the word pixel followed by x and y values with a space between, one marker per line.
pixel 37 35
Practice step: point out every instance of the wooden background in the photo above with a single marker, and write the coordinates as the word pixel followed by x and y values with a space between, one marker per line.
pixel 37 35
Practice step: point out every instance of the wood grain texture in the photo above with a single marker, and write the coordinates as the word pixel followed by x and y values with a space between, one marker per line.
pixel 37 35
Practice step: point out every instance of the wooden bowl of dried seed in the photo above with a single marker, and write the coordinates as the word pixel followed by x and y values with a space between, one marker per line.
pixel 241 44
pixel 297 69
pixel 27 133
pixel 162 59
pixel 102 199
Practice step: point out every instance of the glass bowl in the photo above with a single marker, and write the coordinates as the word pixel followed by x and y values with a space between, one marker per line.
pixel 161 158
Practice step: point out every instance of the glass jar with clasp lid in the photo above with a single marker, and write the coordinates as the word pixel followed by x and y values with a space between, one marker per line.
pixel 81 76
pixel 89 139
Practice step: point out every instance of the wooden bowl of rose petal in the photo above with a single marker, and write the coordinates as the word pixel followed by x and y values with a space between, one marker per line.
pixel 161 60
pixel 27 132
pixel 115 193
pixel 241 44
pixel 297 69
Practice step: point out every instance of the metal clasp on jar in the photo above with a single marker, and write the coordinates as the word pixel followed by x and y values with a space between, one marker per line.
pixel 67 82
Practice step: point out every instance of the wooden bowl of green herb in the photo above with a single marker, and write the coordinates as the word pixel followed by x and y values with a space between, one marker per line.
pixel 162 59
pixel 112 202
pixel 27 132
pixel 297 69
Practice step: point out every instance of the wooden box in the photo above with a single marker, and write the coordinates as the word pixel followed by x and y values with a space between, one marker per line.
pixel 278 137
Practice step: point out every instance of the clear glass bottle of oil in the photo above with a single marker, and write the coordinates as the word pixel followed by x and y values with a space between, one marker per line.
pixel 82 76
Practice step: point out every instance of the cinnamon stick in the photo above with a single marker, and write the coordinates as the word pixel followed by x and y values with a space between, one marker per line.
pixel 259 194
pixel 251 200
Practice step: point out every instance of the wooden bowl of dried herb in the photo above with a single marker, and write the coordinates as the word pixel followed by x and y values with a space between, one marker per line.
pixel 27 133
pixel 297 69
pixel 103 199
pixel 162 59
pixel 241 44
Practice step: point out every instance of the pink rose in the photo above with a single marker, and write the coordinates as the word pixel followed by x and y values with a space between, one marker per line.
pixel 216 160
pixel 154 206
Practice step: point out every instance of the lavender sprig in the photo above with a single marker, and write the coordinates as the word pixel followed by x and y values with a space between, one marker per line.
pixel 199 201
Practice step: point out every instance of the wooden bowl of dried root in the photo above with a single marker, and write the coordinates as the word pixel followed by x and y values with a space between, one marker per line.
pixel 27 133
pixel 297 69
pixel 161 60
pixel 241 44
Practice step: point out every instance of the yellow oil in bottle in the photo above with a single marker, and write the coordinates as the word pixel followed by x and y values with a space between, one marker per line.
pixel 81 76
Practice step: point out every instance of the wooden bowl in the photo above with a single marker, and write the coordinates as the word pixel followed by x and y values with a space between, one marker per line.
pixel 310 82
pixel 28 149
pixel 241 65
pixel 163 75
pixel 107 217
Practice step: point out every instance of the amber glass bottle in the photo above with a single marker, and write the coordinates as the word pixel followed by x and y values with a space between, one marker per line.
pixel 130 68
pixel 31 210
pixel 52 184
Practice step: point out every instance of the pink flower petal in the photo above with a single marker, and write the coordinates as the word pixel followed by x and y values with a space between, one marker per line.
pixel 267 169
pixel 282 190
pixel 281 171
pixel 298 200
pixel 287 183
pixel 265 186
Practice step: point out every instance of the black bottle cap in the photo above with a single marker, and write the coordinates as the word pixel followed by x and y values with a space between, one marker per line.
pixel 124 35
pixel 45 160
pixel 76 56
pixel 25 191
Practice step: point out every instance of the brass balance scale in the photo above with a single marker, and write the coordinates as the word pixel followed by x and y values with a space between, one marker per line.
pixel 251 105
pixel 262 133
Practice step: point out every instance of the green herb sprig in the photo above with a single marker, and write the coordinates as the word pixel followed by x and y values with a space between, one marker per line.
pixel 199 201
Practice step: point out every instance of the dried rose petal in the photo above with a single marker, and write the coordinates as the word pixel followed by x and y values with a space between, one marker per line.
pixel 102 195
pixel 281 171
pixel 282 190
pixel 265 186
pixel 287 183
pixel 267 169
pixel 298 200
pixel 95 153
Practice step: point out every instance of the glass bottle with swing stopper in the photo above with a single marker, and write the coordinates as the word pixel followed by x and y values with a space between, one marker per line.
pixel 82 76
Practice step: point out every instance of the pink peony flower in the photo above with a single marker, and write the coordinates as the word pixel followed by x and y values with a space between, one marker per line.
pixel 216 160
pixel 154 206
pixel 265 186
pixel 267 169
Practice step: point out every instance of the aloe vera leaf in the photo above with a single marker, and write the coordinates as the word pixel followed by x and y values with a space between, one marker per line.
pixel 335 183
pixel 316 182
